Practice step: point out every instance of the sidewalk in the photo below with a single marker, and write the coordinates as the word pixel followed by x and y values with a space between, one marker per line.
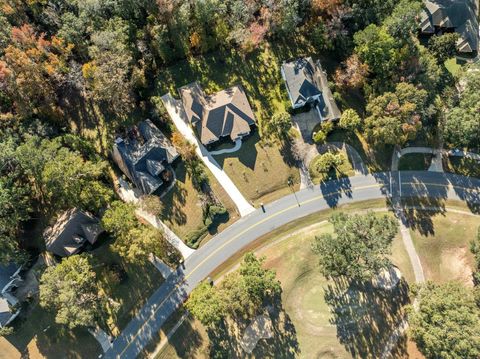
pixel 177 114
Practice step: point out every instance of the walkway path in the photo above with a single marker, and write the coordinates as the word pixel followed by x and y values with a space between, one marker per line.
pixel 238 145
pixel 207 258
pixel 178 116
pixel 164 269
pixel 129 194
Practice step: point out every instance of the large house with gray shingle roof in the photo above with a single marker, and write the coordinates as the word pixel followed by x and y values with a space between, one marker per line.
pixel 307 83
pixel 460 16
pixel 225 114
pixel 72 230
pixel 144 155
pixel 9 304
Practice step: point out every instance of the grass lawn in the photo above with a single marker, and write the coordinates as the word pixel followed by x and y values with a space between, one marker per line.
pixel 442 242
pixel 327 319
pixel 260 171
pixel 128 293
pixel 37 335
pixel 183 211
pixel 453 65
pixel 415 162
pixel 462 166
pixel 376 158
pixel 345 170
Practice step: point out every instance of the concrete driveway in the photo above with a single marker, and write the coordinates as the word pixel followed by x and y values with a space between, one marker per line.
pixel 305 123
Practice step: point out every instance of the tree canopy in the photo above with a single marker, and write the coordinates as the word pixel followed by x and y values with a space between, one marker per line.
pixel 70 289
pixel 447 322
pixel 359 247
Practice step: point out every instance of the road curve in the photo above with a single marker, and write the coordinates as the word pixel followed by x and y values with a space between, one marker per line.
pixel 199 265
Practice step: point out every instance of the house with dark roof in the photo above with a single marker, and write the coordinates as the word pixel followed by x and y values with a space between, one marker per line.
pixel 460 16
pixel 225 114
pixel 72 230
pixel 307 83
pixel 9 280
pixel 144 155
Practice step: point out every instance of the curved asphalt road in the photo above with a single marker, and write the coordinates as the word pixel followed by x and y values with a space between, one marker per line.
pixel 199 265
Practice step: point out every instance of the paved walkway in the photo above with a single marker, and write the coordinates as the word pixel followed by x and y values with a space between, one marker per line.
pixel 178 116
pixel 172 293
pixel 164 269
pixel 238 145
pixel 102 338
pixel 131 195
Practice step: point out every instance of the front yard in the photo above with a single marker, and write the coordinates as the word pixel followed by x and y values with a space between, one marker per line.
pixel 260 171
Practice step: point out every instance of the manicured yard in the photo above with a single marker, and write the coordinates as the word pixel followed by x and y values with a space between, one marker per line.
pixel 442 242
pixel 326 318
pixel 415 162
pixel 344 170
pixel 259 170
pixel 453 65
pixel 183 211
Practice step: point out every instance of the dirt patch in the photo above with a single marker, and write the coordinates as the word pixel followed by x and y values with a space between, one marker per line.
pixel 455 261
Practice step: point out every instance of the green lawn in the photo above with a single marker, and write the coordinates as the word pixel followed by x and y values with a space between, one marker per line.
pixel 453 65
pixel 259 170
pixel 415 162
pixel 183 211
pixel 442 242
pixel 325 318
pixel 345 170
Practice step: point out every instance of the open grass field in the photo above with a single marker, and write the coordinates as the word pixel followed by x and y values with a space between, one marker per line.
pixel 415 162
pixel 326 319
pixel 442 242
pixel 260 171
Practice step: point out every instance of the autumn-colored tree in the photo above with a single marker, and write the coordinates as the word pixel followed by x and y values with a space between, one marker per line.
pixel 34 69
pixel 185 148
pixel 351 74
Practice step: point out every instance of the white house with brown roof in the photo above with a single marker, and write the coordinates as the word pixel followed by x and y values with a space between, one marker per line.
pixel 226 113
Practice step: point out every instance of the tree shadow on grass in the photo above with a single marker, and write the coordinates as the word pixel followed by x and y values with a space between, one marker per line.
pixel 366 317
pixel 174 202
pixel 419 213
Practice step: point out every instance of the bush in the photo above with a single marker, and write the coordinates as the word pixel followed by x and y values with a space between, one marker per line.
pixel 319 137
pixel 194 237
pixel 325 162
pixel 349 120
pixel 327 127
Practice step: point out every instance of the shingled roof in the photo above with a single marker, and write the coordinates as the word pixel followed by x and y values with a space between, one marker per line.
pixel 143 155
pixel 460 15
pixel 71 232
pixel 225 113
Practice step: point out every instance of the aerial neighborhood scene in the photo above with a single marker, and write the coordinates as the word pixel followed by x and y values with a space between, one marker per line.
pixel 239 179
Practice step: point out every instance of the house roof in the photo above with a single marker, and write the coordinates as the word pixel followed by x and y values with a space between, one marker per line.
pixel 300 80
pixel 143 155
pixel 460 15
pixel 6 273
pixel 306 79
pixel 71 231
pixel 225 113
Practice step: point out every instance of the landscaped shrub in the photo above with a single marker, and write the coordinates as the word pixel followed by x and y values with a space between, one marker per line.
pixel 327 161
pixel 319 137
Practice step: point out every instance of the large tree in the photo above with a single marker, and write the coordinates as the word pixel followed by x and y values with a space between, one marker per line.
pixel 206 304
pixel 395 117
pixel 70 289
pixel 462 122
pixel 359 247
pixel 446 324
pixel 135 241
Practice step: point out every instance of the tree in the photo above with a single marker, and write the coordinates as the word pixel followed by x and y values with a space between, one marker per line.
pixel 360 247
pixel 71 290
pixel 444 46
pixel 35 69
pixel 403 22
pixel 206 304
pixel 446 323
pixel 350 120
pixel 351 74
pixel 278 126
pixel 328 160
pixel 461 128
pixel 319 137
pixel 185 148
pixel 135 241
pixel 395 117
pixel 62 178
